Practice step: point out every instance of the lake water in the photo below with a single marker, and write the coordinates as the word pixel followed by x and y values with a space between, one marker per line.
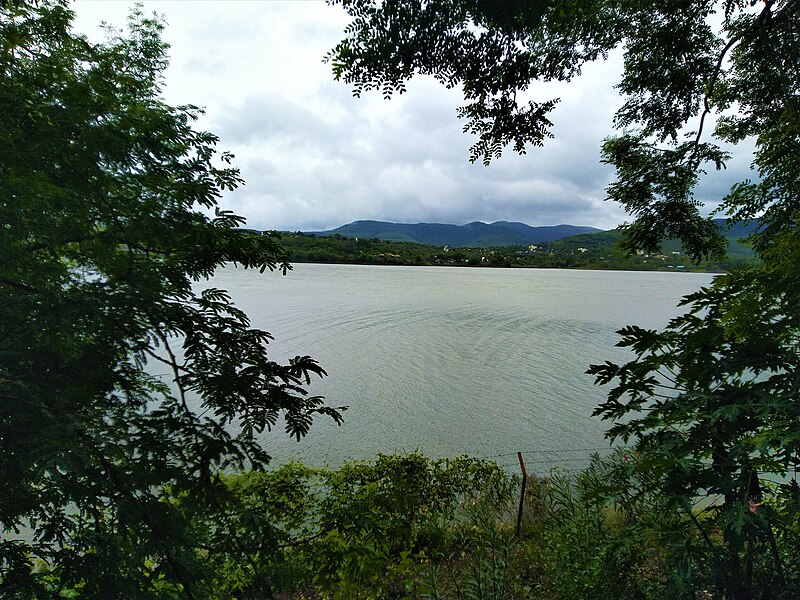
pixel 486 362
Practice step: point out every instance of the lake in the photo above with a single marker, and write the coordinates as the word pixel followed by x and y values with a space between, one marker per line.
pixel 449 361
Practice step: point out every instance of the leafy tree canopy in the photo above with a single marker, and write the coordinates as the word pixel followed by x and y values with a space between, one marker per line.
pixel 105 197
pixel 711 401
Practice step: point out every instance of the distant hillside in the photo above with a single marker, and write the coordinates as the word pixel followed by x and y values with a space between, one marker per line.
pixel 739 230
pixel 606 240
pixel 471 235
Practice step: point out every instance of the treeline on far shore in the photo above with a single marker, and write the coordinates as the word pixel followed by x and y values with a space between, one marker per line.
pixel 586 251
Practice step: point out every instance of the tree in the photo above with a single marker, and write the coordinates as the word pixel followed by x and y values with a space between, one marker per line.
pixel 106 194
pixel 711 401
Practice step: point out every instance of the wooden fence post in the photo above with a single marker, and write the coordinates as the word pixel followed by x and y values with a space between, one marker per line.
pixel 522 492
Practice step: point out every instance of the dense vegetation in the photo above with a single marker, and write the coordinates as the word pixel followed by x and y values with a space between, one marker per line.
pixel 584 251
pixel 105 197
pixel 114 487
pixel 411 527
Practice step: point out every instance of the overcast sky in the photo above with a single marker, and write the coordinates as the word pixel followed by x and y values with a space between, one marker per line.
pixel 313 157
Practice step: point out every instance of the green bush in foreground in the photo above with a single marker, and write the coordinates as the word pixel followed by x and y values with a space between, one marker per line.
pixel 367 529
pixel 412 527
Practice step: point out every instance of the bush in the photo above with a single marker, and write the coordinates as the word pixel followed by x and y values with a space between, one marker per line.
pixel 367 529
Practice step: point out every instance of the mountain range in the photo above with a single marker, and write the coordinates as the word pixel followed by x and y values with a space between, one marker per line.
pixel 472 235
pixel 500 233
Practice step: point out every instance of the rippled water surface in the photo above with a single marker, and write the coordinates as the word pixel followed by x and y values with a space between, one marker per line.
pixel 453 360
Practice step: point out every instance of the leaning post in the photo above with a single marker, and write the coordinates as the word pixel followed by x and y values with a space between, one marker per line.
pixel 522 491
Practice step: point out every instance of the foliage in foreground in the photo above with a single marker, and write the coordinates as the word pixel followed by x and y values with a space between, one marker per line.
pixel 106 194
pixel 411 527
pixel 366 530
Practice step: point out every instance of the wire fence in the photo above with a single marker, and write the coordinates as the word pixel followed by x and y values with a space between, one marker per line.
pixel 541 461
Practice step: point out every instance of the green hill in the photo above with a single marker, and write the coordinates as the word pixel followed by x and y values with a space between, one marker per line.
pixel 471 235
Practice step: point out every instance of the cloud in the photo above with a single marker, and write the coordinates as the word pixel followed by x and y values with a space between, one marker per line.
pixel 314 157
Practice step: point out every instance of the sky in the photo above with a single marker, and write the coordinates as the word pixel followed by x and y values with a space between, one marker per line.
pixel 313 157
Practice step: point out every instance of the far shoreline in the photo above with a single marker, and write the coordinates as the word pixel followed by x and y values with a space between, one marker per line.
pixel 514 267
